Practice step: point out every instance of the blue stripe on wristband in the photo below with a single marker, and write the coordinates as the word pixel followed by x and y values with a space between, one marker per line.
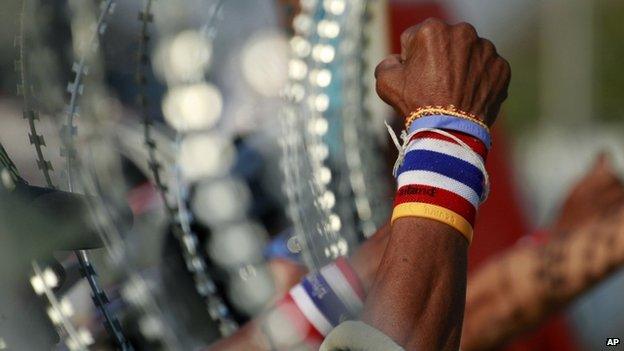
pixel 452 167
pixel 452 123
pixel 325 298
pixel 342 287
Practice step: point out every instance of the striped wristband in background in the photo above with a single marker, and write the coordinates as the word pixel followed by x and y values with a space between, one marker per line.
pixel 316 305
pixel 442 175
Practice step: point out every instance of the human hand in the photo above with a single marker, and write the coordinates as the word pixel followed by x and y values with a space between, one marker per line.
pixel 442 65
pixel 599 191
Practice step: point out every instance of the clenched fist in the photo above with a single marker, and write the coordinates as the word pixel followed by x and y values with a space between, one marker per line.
pixel 443 65
pixel 597 193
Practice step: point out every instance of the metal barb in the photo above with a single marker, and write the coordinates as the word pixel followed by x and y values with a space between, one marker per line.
pixel 101 301
pixel 76 88
pixel 68 131
pixel 63 323
pixel 36 139
pixel 178 215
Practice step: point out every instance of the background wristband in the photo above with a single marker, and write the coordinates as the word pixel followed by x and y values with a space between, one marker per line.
pixel 351 276
pixel 325 298
pixel 452 123
pixel 440 214
pixel 287 312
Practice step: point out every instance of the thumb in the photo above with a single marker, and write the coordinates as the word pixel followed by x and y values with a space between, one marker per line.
pixel 389 82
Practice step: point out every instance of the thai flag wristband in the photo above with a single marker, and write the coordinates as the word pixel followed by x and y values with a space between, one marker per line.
pixel 453 123
pixel 320 302
pixel 441 173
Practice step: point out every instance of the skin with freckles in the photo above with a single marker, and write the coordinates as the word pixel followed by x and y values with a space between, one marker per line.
pixel 418 295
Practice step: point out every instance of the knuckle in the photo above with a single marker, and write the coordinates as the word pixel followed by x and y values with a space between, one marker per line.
pixel 466 30
pixel 488 47
pixel 505 67
pixel 433 22
pixel 502 70
pixel 428 32
pixel 431 26
pixel 386 64
pixel 379 69
pixel 405 37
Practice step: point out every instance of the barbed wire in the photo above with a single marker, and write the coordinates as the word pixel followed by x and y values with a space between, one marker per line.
pixel 179 215
pixel 29 112
pixel 32 115
pixel 136 289
pixel 143 65
pixel 43 281
pixel 101 300
pixel 75 88
pixel 7 164
pixel 328 54
pixel 295 162
pixel 317 49
pixel 361 152
pixel 68 131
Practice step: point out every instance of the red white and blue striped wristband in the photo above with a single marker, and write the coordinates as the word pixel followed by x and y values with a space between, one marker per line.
pixel 441 176
pixel 322 300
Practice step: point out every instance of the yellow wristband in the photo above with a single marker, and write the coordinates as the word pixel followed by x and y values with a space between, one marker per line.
pixel 440 214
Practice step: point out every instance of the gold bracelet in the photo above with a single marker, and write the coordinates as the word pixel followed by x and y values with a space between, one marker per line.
pixel 449 110
pixel 440 214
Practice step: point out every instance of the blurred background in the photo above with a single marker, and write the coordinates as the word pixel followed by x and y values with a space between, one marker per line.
pixel 564 108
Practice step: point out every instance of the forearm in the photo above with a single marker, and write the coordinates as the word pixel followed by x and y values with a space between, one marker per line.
pixel 367 258
pixel 364 262
pixel 418 296
pixel 497 293
pixel 248 337
pixel 544 279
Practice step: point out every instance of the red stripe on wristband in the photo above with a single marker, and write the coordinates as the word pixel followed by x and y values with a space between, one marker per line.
pixel 350 276
pixel 309 334
pixel 475 144
pixel 436 196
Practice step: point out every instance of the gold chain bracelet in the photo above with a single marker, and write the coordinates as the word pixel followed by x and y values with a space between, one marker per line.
pixel 449 110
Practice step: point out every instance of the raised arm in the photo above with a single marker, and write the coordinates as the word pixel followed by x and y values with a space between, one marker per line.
pixel 418 295
pixel 489 306
pixel 585 245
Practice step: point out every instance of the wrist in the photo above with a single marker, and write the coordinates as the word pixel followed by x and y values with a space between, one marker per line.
pixel 440 170
pixel 312 308
pixel 423 271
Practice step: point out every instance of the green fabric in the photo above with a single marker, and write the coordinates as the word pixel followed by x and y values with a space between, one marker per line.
pixel 358 336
